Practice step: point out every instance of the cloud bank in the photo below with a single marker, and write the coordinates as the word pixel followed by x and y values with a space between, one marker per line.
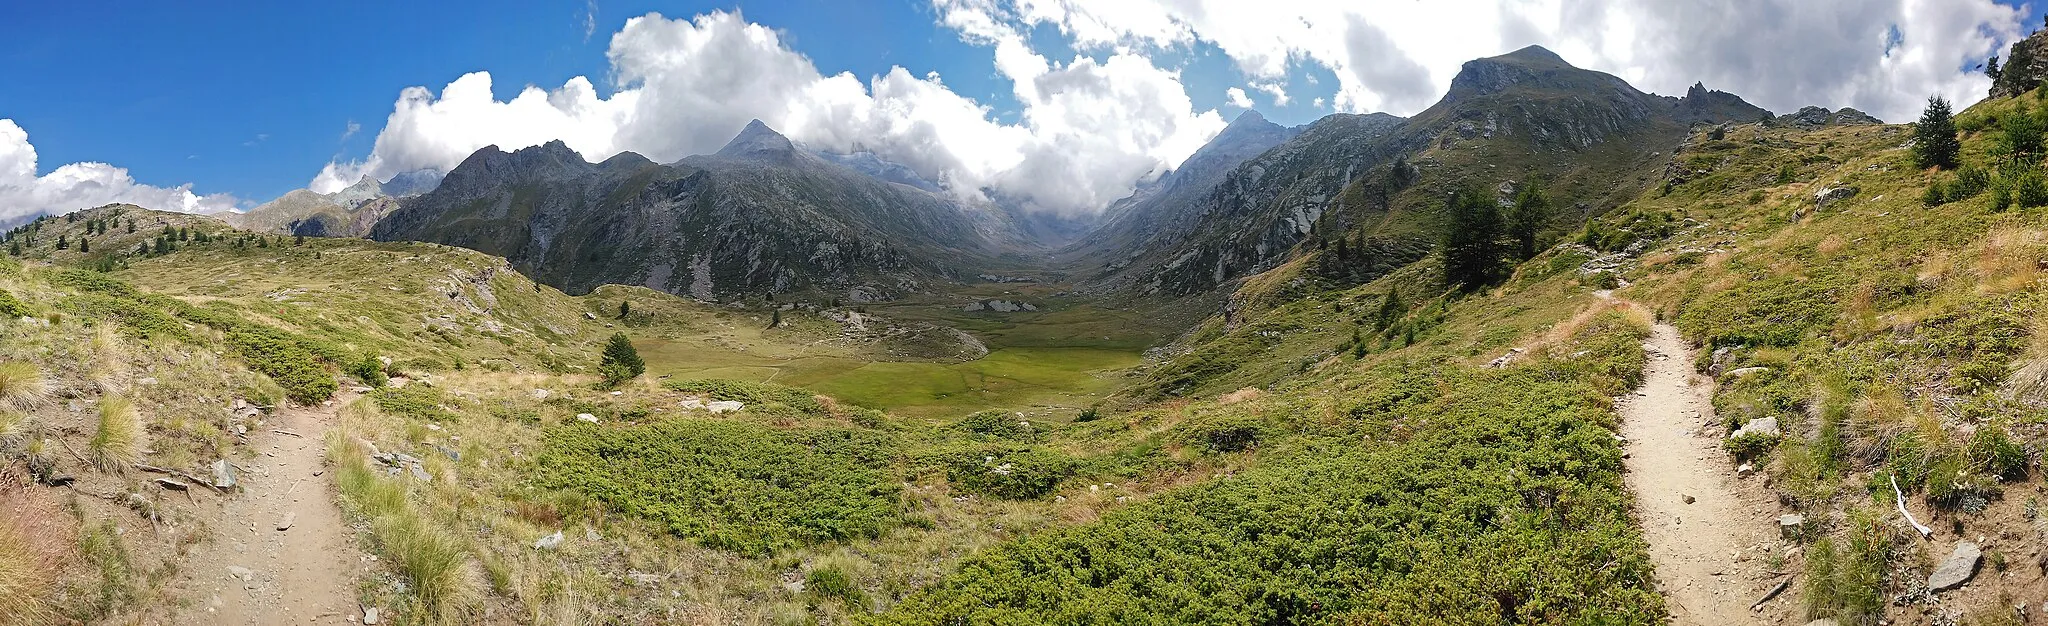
pixel 1091 127
pixel 1398 56
pixel 82 185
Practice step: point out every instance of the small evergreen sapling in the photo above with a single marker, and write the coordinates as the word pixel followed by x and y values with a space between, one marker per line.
pixel 620 362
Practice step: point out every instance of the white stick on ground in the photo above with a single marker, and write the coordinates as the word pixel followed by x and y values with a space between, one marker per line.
pixel 1925 532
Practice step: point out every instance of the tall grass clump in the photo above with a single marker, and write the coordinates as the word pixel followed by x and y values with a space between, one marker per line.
pixel 1845 575
pixel 118 440
pixel 444 581
pixel 29 557
pixel 22 385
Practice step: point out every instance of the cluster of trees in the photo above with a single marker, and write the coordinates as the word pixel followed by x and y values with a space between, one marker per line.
pixel 2014 174
pixel 1479 236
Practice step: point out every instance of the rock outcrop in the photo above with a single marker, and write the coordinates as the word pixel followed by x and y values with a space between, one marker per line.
pixel 2026 65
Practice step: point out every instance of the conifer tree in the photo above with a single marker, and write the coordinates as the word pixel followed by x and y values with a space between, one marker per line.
pixel 620 362
pixel 1471 239
pixel 1934 138
pixel 1526 219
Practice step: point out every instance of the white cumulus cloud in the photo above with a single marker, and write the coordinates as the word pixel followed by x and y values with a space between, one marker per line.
pixel 1090 128
pixel 1882 56
pixel 1237 98
pixel 82 185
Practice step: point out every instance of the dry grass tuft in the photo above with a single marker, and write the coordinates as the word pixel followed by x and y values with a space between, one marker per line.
pixel 30 551
pixel 23 386
pixel 118 441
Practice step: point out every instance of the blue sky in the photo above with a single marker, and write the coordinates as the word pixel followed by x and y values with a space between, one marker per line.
pixel 252 99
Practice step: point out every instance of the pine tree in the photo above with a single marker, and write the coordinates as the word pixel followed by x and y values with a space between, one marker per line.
pixel 1527 218
pixel 62 244
pixel 298 240
pixel 1934 138
pixel 620 362
pixel 625 308
pixel 131 227
pixel 776 319
pixel 1471 239
pixel 14 248
pixel 84 246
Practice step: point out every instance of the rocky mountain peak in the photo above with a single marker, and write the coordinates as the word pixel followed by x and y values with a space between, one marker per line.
pixel 1535 54
pixel 1532 67
pixel 1248 119
pixel 1703 105
pixel 362 191
pixel 757 140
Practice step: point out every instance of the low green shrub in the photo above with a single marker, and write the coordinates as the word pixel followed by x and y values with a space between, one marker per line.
pixel 832 582
pixel 751 393
pixel 1011 473
pixel 732 485
pixel 995 424
pixel 416 401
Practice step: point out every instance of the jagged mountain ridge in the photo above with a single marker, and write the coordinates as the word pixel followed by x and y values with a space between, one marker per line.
pixel 1526 113
pixel 350 212
pixel 759 217
pixel 764 215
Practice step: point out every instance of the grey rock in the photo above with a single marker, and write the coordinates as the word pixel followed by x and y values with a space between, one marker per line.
pixel 420 473
pixel 1957 568
pixel 1831 195
pixel 223 474
pixel 1765 426
pixel 549 542
pixel 1745 371
pixel 288 521
pixel 1791 525
pixel 243 573
pixel 369 615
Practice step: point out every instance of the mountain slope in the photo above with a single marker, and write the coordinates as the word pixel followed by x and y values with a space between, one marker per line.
pixel 760 217
pixel 1506 119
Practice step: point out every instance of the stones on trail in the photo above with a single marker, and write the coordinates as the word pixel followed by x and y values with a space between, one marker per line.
pixel 243 573
pixel 1825 621
pixel 1763 426
pixel 58 480
pixel 1745 469
pixel 172 484
pixel 1791 525
pixel 1686 498
pixel 223 475
pixel 549 542
pixel 370 615
pixel 1957 568
pixel 286 523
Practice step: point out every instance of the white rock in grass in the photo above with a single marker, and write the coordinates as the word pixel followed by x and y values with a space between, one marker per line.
pixel 724 406
pixel 586 417
pixel 549 542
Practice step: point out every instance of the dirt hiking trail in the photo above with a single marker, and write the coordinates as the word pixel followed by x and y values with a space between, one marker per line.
pixel 1711 552
pixel 250 571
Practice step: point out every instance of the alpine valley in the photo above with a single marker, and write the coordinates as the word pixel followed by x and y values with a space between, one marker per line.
pixel 1553 350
